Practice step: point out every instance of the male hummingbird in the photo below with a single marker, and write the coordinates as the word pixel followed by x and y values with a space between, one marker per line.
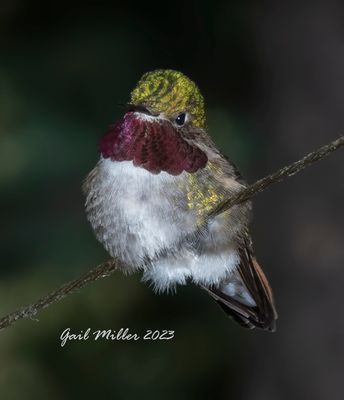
pixel 149 197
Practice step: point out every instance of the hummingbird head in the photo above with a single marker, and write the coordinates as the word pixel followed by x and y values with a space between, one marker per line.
pixel 170 95
pixel 162 126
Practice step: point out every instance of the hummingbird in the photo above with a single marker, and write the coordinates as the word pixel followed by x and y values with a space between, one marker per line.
pixel 149 197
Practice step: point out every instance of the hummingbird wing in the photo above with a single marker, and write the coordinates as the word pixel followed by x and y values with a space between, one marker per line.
pixel 253 285
pixel 245 295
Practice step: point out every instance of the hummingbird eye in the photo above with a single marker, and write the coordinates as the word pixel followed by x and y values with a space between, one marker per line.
pixel 180 120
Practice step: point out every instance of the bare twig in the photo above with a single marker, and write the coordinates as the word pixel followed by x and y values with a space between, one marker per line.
pixel 277 176
pixel 101 271
pixel 108 268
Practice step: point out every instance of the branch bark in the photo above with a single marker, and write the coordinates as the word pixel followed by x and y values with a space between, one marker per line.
pixel 277 176
pixel 109 267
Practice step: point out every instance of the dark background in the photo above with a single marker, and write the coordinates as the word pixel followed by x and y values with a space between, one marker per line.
pixel 273 77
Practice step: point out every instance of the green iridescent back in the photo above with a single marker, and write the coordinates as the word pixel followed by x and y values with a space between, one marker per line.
pixel 170 92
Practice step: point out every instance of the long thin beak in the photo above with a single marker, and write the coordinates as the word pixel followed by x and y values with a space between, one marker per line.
pixel 138 108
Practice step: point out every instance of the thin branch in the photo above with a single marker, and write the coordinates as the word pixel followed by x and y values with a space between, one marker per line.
pixel 108 268
pixel 101 271
pixel 277 176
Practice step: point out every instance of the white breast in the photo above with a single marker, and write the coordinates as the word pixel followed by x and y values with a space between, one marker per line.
pixel 136 214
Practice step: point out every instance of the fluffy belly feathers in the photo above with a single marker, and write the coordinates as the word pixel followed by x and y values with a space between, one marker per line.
pixel 144 219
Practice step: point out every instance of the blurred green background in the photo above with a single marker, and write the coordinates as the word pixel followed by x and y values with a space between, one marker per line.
pixel 272 75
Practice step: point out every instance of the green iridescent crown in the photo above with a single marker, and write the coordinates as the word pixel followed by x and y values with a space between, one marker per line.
pixel 170 92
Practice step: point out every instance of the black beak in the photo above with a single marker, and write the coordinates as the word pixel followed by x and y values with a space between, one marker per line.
pixel 138 108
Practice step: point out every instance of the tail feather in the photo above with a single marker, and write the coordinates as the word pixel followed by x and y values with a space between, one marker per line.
pixel 252 303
